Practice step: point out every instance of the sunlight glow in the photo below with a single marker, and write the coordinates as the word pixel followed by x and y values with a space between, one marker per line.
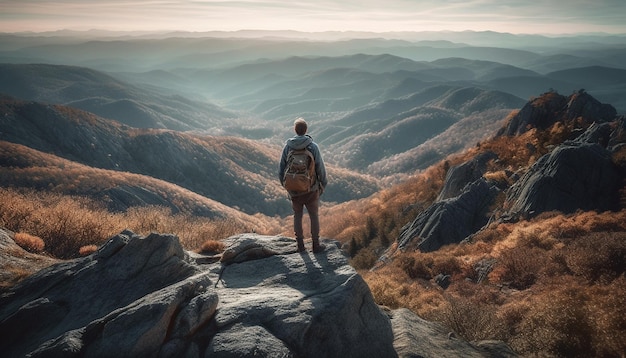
pixel 370 15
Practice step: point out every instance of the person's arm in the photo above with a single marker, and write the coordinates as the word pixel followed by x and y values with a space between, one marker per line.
pixel 320 168
pixel 282 165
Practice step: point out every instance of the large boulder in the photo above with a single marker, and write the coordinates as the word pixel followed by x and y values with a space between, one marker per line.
pixel 549 108
pixel 74 295
pixel 460 176
pixel 146 296
pixel 452 220
pixel 574 176
pixel 416 337
pixel 290 304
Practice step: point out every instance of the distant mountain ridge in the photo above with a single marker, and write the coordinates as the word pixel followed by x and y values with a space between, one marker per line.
pixel 380 136
pixel 106 96
pixel 236 172
pixel 358 103
pixel 24 167
pixel 378 107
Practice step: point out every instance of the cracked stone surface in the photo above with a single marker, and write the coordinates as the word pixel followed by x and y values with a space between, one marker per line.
pixel 147 297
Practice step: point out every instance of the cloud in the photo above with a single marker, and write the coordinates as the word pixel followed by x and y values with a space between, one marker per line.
pixel 369 15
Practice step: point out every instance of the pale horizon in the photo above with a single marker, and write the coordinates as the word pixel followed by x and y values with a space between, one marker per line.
pixel 546 17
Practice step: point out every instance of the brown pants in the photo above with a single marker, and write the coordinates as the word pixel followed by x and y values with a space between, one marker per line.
pixel 312 202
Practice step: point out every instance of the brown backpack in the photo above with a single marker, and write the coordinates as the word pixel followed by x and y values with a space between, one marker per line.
pixel 300 171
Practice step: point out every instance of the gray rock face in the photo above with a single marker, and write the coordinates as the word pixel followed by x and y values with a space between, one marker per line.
pixel 544 111
pixel 573 176
pixel 596 133
pixel 460 176
pixel 452 220
pixel 16 262
pixel 316 305
pixel 582 104
pixel 70 297
pixel 537 113
pixel 460 210
pixel 416 337
pixel 141 296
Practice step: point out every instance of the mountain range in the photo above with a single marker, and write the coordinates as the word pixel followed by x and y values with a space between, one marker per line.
pixel 381 109
pixel 237 172
pixel 477 179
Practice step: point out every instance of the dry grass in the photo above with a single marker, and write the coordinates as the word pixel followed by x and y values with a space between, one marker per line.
pixel 558 286
pixel 211 247
pixel 65 224
pixel 553 286
pixel 29 242
pixel 87 250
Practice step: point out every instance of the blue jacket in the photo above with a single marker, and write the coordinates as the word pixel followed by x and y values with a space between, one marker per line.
pixel 301 142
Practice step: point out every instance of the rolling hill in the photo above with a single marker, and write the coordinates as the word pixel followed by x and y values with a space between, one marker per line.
pixel 349 103
pixel 236 172
pixel 379 107
pixel 24 167
pixel 108 97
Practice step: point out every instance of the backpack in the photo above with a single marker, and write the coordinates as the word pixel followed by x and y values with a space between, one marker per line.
pixel 300 171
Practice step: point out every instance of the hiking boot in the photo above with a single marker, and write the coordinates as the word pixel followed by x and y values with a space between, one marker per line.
pixel 317 247
pixel 300 243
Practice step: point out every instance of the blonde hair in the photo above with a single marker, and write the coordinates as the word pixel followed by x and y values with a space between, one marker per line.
pixel 300 126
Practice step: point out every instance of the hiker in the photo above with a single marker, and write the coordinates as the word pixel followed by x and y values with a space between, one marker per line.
pixel 309 195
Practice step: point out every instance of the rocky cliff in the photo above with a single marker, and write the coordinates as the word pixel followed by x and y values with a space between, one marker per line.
pixel 146 296
pixel 580 173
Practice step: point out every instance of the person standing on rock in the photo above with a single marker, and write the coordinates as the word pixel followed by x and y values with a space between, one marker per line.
pixel 304 183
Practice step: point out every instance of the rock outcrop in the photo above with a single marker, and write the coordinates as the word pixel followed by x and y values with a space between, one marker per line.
pixel 574 176
pixel 577 175
pixel 416 337
pixel 460 176
pixel 452 220
pixel 16 263
pixel 146 296
pixel 542 112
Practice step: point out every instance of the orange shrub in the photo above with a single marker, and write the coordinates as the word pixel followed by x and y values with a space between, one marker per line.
pixel 211 247
pixel 518 267
pixel 607 307
pixel 364 259
pixel 384 292
pixel 470 318
pixel 416 265
pixel 87 250
pixel 29 242
pixel 446 264
pixel 557 324
pixel 597 257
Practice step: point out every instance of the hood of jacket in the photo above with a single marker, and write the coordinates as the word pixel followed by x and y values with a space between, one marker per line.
pixel 299 142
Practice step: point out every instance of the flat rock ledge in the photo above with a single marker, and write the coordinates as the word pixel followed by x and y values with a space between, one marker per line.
pixel 147 297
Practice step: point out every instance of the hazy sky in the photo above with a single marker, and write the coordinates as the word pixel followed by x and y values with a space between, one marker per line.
pixel 515 16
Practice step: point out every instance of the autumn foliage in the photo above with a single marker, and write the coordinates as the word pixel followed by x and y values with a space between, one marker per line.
pixel 69 226
pixel 29 242
pixel 556 287
pixel 553 286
